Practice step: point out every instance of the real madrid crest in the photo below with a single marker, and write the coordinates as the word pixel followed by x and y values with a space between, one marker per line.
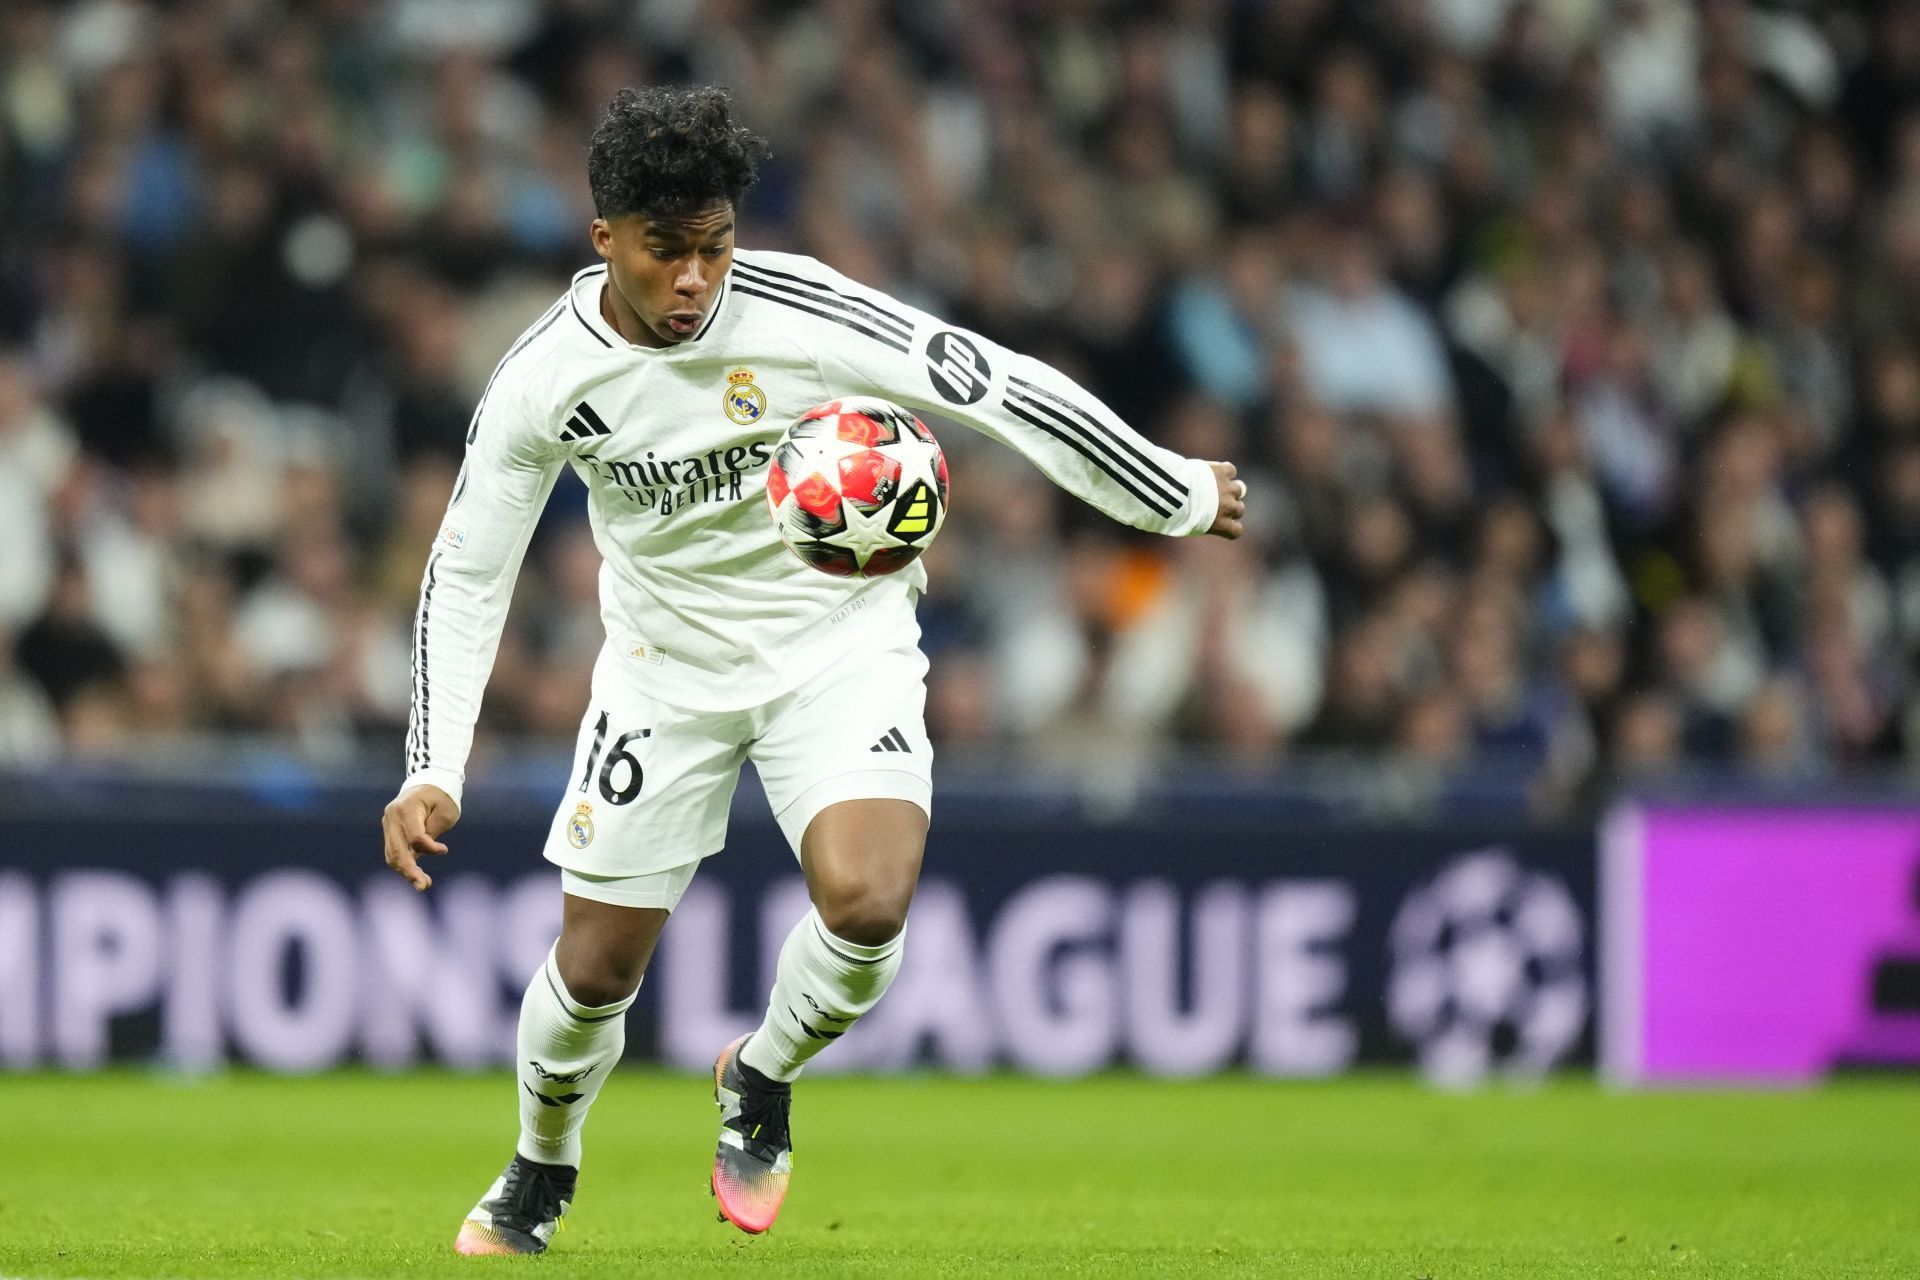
pixel 744 401
pixel 580 827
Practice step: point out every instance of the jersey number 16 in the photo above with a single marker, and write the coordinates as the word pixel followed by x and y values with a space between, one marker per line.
pixel 616 755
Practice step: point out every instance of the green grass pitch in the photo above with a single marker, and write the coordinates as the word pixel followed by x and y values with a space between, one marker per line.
pixel 357 1174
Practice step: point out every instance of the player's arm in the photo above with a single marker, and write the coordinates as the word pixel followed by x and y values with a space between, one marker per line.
pixel 503 484
pixel 915 359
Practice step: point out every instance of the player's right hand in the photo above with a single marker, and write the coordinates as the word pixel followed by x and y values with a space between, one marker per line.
pixel 412 823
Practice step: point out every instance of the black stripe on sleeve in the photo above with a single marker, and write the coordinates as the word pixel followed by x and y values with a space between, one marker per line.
pixel 855 307
pixel 884 339
pixel 871 312
pixel 1103 431
pixel 539 327
pixel 1064 431
pixel 422 694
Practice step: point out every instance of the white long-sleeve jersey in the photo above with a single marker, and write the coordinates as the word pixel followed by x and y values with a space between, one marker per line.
pixel 703 605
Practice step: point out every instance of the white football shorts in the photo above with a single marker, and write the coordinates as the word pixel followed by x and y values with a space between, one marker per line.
pixel 652 783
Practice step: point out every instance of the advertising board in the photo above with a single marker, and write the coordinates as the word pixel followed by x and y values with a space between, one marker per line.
pixel 1043 942
pixel 1759 945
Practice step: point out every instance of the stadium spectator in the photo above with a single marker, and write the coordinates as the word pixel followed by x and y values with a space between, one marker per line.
pixel 1574 346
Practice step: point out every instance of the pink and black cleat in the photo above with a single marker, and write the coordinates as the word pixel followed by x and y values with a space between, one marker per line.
pixel 521 1211
pixel 754 1161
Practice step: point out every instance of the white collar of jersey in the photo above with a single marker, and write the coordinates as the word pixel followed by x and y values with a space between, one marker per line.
pixel 583 297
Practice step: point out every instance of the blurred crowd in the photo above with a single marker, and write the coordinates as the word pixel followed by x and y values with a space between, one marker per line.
pixel 1572 348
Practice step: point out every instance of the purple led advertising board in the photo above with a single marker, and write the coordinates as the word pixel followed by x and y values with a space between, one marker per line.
pixel 1767 946
pixel 1180 944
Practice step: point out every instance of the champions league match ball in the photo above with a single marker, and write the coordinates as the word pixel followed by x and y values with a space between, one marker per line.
pixel 857 487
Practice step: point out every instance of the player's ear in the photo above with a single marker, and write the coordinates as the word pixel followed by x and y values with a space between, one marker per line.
pixel 602 234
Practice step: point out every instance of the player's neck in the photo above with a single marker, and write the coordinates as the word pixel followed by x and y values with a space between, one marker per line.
pixel 624 320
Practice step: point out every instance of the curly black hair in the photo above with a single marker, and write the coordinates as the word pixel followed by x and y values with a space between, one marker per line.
pixel 668 152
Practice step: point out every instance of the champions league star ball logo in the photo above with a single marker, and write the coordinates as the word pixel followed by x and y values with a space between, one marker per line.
pixel 1486 971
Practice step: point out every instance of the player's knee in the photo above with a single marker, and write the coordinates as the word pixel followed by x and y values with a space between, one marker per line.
pixel 597 990
pixel 866 914
pixel 594 980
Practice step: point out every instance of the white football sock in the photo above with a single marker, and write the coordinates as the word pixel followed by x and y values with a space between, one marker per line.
pixel 565 1050
pixel 823 985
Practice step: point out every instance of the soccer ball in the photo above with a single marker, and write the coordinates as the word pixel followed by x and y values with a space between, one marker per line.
pixel 857 487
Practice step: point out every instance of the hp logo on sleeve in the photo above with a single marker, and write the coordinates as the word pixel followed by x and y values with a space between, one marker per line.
pixel 956 368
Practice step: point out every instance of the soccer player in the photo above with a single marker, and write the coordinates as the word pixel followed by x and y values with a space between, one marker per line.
pixel 662 377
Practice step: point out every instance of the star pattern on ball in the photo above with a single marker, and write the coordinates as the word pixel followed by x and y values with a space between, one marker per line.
pixel 864 534
pixel 918 461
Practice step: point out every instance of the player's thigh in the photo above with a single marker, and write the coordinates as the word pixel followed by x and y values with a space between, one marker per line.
pixel 857 731
pixel 649 791
pixel 862 861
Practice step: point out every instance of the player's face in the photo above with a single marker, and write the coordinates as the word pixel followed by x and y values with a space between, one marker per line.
pixel 665 272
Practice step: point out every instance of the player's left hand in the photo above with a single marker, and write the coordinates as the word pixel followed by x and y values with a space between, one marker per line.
pixel 1233 501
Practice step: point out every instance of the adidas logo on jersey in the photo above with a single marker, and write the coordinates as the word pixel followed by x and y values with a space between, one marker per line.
pixel 891 741
pixel 584 424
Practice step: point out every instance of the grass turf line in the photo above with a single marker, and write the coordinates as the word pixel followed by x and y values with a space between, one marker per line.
pixel 355 1174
